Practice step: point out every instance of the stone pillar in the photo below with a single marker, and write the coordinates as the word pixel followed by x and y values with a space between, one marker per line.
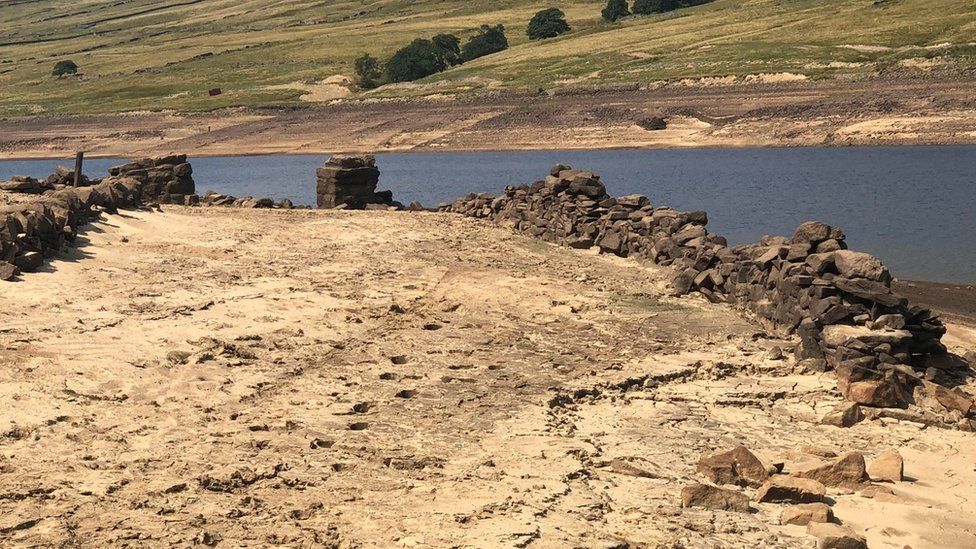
pixel 348 181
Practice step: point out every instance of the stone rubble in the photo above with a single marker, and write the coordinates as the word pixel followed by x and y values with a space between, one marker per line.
pixel 884 352
pixel 165 179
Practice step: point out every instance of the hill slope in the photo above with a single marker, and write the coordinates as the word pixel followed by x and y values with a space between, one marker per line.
pixel 149 54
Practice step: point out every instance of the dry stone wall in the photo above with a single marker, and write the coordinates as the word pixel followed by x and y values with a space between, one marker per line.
pixel 34 227
pixel 885 352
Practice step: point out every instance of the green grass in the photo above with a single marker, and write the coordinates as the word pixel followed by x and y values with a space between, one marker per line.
pixel 166 54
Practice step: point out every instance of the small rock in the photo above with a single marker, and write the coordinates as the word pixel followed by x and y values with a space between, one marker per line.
pixel 833 536
pixel 887 467
pixel 775 353
pixel 712 497
pixel 803 514
pixel 846 414
pixel 178 357
pixel 783 489
pixel 8 270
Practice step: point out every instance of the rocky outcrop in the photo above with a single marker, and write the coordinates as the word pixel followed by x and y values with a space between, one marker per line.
pixel 838 302
pixel 349 182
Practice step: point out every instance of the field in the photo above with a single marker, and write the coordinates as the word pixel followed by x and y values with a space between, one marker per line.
pixel 262 378
pixel 139 55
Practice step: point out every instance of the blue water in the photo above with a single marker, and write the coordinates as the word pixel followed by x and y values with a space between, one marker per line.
pixel 914 207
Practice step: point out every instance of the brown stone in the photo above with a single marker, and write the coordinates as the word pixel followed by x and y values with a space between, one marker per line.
pixel 878 393
pixel 833 536
pixel 816 232
pixel 852 264
pixel 805 513
pixel 712 497
pixel 887 467
pixel 846 414
pixel 737 466
pixel 8 271
pixel 784 489
pixel 845 471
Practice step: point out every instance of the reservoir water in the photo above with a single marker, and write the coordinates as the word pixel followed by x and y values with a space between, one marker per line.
pixel 914 207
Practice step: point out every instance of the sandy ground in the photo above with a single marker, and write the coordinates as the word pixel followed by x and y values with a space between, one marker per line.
pixel 340 379
pixel 878 111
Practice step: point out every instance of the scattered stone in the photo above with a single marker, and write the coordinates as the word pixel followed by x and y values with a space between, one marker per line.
pixel 737 466
pixel 712 497
pixel 833 536
pixel 803 514
pixel 785 489
pixel 887 467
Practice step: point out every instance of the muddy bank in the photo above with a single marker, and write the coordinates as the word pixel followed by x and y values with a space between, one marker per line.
pixel 880 111
pixel 956 302
pixel 235 376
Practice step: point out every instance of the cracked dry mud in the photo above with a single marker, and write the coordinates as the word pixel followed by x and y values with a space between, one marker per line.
pixel 339 379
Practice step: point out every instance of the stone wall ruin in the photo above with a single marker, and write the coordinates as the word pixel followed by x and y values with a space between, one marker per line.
pixel 884 352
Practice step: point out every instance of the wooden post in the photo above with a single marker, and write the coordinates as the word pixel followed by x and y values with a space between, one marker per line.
pixel 79 160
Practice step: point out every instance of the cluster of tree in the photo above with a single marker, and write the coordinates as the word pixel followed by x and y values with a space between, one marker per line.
pixel 618 8
pixel 547 23
pixel 424 57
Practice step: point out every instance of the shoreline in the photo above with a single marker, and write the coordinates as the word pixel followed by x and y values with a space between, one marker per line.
pixel 882 111
pixel 513 150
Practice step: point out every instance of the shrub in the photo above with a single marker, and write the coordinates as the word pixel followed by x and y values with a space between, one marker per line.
pixel 62 68
pixel 488 40
pixel 448 49
pixel 418 59
pixel 645 7
pixel 369 71
pixel 615 10
pixel 547 24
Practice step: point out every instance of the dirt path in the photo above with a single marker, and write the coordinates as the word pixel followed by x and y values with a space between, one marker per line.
pixel 880 111
pixel 304 378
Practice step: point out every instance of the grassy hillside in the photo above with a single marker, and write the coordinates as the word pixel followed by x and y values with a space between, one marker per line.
pixel 166 54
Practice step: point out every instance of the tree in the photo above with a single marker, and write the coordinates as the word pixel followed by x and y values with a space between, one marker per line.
pixel 615 10
pixel 418 59
pixel 369 71
pixel 65 67
pixel 547 23
pixel 645 7
pixel 448 49
pixel 488 40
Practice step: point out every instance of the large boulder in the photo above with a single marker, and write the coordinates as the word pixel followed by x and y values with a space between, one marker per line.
pixel 852 264
pixel 712 497
pixel 847 470
pixel 737 466
pixel 784 489
pixel 887 467
pixel 816 232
